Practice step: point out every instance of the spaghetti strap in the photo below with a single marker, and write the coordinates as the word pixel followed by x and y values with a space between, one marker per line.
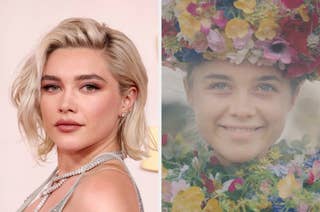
pixel 60 205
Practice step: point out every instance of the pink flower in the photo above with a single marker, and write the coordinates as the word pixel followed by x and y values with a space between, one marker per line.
pixel 216 41
pixel 235 183
pixel 265 187
pixel 178 186
pixel 205 26
pixel 166 191
pixel 303 207
pixel 200 44
pixel 192 9
pixel 219 19
pixel 292 4
pixel 314 173
pixel 240 43
pixel 277 50
pixel 196 9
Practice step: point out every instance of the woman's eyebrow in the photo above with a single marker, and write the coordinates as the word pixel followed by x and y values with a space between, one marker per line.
pixel 217 76
pixel 78 78
pixel 50 77
pixel 269 78
pixel 89 77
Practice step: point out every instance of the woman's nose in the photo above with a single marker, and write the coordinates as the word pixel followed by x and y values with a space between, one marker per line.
pixel 67 102
pixel 242 106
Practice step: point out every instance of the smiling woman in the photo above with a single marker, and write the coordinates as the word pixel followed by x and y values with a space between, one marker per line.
pixel 239 106
pixel 83 91
pixel 244 63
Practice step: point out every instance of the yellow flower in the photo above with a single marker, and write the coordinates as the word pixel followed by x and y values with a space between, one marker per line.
pixel 212 205
pixel 275 154
pixel 239 173
pixel 247 6
pixel 287 186
pixel 189 25
pixel 264 203
pixel 188 200
pixel 236 28
pixel 267 29
pixel 303 11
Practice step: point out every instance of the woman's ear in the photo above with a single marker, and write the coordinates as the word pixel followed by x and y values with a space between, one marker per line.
pixel 128 100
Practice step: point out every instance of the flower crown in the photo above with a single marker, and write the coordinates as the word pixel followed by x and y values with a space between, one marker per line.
pixel 281 33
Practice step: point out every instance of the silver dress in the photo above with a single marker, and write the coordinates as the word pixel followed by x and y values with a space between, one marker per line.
pixel 61 204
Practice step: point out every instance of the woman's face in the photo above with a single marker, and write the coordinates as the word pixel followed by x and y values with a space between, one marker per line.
pixel 240 110
pixel 80 100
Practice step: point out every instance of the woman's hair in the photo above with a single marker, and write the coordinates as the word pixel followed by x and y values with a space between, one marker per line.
pixel 124 63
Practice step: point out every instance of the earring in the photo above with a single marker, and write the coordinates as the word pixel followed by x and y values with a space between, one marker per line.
pixel 123 114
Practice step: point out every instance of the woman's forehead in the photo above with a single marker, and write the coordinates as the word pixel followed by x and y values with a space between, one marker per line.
pixel 229 71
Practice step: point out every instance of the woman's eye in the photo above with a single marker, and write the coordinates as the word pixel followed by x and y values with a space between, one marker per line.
pixel 220 86
pixel 50 88
pixel 266 88
pixel 90 87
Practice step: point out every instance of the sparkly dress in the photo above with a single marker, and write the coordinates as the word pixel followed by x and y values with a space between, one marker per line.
pixel 62 203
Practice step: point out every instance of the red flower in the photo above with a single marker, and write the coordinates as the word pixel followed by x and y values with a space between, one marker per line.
pixel 292 4
pixel 214 160
pixel 235 182
pixel 168 28
pixel 164 139
pixel 303 67
pixel 314 173
pixel 311 178
pixel 207 183
pixel 296 31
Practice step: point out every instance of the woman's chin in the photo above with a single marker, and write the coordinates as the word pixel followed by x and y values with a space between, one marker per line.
pixel 237 158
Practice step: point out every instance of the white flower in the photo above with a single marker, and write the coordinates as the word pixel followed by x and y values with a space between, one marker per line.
pixel 239 56
pixel 313 40
pixel 195 163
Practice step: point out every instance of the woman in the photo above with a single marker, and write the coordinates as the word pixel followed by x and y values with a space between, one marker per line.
pixel 245 62
pixel 83 92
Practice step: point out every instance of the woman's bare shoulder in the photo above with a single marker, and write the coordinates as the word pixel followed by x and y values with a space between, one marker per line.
pixel 106 189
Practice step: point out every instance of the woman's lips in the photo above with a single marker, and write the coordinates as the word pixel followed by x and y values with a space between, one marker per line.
pixel 67 126
pixel 241 133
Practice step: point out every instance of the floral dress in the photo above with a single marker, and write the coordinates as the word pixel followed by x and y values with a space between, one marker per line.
pixel 287 178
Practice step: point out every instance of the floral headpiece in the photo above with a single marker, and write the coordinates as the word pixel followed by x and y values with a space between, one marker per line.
pixel 282 33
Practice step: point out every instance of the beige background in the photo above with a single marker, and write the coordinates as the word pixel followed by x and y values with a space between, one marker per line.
pixel 23 23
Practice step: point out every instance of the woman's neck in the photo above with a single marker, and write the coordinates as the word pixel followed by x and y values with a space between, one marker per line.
pixel 72 160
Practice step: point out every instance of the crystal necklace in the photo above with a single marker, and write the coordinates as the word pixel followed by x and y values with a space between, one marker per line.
pixel 57 181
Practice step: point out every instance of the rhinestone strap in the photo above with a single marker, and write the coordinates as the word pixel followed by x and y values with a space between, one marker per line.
pixel 57 181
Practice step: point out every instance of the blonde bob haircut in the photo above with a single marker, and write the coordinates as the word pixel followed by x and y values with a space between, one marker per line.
pixel 124 63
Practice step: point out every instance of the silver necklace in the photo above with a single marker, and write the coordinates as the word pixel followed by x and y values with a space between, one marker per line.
pixel 57 181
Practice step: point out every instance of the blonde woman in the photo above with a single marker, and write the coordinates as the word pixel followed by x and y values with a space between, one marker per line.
pixel 83 92
pixel 244 63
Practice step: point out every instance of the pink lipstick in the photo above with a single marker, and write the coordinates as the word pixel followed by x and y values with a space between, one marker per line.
pixel 67 126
